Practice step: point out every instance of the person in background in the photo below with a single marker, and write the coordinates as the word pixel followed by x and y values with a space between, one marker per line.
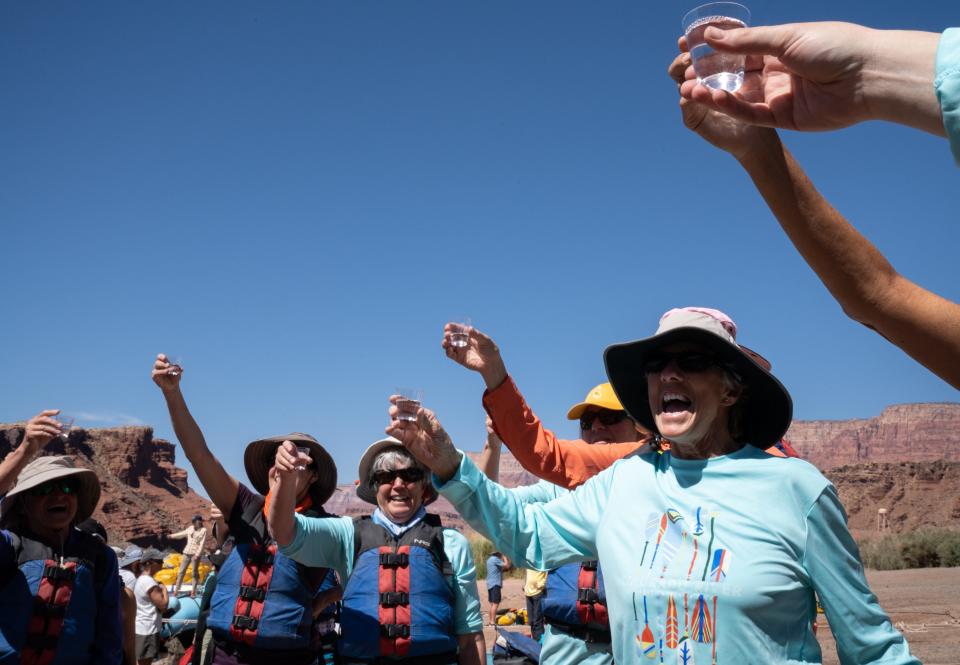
pixel 534 587
pixel 496 562
pixel 823 76
pixel 702 570
pixel 129 564
pixel 152 599
pixel 410 594
pixel 59 586
pixel 266 607
pixel 196 535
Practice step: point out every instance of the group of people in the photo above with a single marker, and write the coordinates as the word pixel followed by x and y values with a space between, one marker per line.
pixel 678 489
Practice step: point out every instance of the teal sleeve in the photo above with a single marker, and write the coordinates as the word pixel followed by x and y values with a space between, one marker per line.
pixel 325 542
pixel 541 536
pixel 861 628
pixel 541 492
pixel 466 599
pixel 947 85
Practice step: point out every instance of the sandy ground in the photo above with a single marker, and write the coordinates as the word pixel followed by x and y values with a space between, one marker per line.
pixel 923 604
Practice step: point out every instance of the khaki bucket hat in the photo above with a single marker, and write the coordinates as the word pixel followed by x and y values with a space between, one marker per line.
pixel 51 467
pixel 365 490
pixel 259 455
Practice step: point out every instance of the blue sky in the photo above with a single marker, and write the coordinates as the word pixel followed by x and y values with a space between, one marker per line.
pixel 296 196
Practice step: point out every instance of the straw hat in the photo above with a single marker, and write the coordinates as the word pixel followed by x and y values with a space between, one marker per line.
pixel 767 407
pixel 259 457
pixel 41 470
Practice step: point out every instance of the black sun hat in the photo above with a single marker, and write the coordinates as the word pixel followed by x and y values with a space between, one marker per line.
pixel 259 456
pixel 768 408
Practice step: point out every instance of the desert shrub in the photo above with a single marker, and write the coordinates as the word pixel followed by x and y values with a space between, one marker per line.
pixel 924 548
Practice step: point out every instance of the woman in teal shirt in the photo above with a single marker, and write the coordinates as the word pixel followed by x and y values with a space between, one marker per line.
pixel 716 548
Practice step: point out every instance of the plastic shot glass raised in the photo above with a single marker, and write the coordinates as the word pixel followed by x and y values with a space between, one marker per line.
pixel 301 465
pixel 460 334
pixel 66 424
pixel 720 71
pixel 408 403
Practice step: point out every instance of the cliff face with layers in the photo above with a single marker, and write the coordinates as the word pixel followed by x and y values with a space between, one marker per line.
pixel 143 492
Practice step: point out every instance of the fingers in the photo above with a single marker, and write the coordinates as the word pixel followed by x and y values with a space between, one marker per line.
pixel 679 67
pixel 763 40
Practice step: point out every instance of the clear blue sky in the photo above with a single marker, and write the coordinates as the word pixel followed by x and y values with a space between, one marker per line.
pixel 296 196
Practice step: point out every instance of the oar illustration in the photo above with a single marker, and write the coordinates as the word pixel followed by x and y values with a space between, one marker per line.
pixel 651 529
pixel 672 539
pixel 684 648
pixel 661 529
pixel 713 659
pixel 702 627
pixel 646 638
pixel 698 528
pixel 720 565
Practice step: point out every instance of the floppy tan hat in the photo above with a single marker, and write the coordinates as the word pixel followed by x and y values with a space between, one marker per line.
pixel 768 408
pixel 51 467
pixel 364 490
pixel 259 455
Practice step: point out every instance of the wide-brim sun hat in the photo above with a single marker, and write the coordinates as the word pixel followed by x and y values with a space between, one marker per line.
pixel 364 490
pixel 767 406
pixel 151 554
pixel 51 467
pixel 260 454
pixel 130 555
pixel 601 396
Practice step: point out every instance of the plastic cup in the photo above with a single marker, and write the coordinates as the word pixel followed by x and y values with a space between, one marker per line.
pixel 66 424
pixel 303 450
pixel 176 365
pixel 408 403
pixel 459 334
pixel 720 71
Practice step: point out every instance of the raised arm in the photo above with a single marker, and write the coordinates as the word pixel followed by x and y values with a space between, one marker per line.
pixel 220 485
pixel 923 324
pixel 281 516
pixel 40 430
pixel 489 461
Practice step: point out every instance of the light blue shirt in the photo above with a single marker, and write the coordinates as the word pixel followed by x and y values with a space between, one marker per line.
pixel 720 555
pixel 494 571
pixel 328 543
pixel 947 85
pixel 559 648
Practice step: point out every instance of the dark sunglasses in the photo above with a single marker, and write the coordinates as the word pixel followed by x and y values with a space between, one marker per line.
pixel 606 417
pixel 687 362
pixel 66 486
pixel 408 475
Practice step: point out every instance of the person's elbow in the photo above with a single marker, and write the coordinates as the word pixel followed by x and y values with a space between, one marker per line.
pixel 282 530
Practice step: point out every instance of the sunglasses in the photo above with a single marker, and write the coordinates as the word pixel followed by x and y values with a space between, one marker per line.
pixel 606 417
pixel 408 475
pixel 691 362
pixel 66 486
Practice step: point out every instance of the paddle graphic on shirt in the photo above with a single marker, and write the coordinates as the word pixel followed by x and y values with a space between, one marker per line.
pixel 645 639
pixel 669 537
pixel 652 524
pixel 672 631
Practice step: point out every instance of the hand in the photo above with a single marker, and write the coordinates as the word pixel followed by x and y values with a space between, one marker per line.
pixel 215 513
pixel 493 440
pixel 426 440
pixel 804 76
pixel 162 376
pixel 480 354
pixel 288 458
pixel 724 132
pixel 41 430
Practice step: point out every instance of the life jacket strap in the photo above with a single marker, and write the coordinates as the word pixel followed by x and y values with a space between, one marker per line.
pixel 254 584
pixel 49 610
pixel 589 608
pixel 394 607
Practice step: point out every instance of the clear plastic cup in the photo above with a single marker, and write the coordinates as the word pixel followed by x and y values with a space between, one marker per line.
pixel 303 450
pixel 720 71
pixel 460 334
pixel 408 403
pixel 176 365
pixel 66 424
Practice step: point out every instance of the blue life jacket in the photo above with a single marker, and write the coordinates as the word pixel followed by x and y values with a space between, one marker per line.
pixel 28 626
pixel 398 603
pixel 575 601
pixel 263 600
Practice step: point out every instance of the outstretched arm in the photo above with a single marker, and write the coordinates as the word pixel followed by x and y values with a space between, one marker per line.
pixel 40 430
pixel 489 461
pixel 220 485
pixel 868 288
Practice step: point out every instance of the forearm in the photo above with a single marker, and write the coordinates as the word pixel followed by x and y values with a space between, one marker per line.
pixel 489 461
pixel 898 79
pixel 280 519
pixel 12 465
pixel 868 288
pixel 473 650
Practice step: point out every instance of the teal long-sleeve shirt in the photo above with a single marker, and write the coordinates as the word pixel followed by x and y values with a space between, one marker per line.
pixel 947 85
pixel 328 543
pixel 717 557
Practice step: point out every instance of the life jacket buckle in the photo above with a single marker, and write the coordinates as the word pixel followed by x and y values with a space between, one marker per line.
pixel 394 560
pixel 394 630
pixel 52 571
pixel 242 622
pixel 253 593
pixel 394 598
pixel 589 596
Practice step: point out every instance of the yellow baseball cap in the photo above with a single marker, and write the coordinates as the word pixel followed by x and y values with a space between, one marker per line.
pixel 601 396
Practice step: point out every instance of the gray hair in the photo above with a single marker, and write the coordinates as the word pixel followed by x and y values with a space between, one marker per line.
pixel 396 458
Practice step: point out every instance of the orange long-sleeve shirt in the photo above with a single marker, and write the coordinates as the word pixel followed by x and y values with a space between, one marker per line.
pixel 565 462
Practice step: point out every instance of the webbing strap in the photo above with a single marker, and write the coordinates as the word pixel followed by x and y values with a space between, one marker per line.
pixel 49 609
pixel 589 608
pixel 254 583
pixel 394 585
